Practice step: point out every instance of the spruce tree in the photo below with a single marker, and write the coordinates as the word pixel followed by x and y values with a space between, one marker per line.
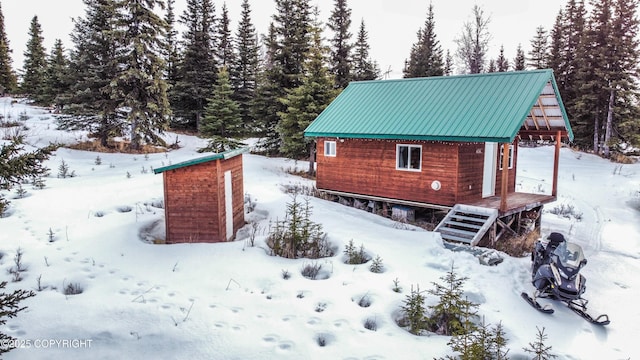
pixel 197 70
pixel 538 348
pixel 224 49
pixel 267 104
pixel 35 63
pixel 9 308
pixel 341 48
pixel 502 63
pixel 222 123
pixel 140 83
pixel 244 72
pixel 306 102
pixel 8 82
pixel 538 55
pixel 519 62
pixel 624 110
pixel 364 68
pixel 448 64
pixel 450 315
pixel 473 42
pixel 425 58
pixel 95 64
pixel 171 55
pixel 16 165
pixel 58 77
pixel 492 66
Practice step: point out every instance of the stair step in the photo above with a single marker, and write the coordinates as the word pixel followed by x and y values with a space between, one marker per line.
pixel 461 224
pixel 448 230
pixel 450 237
pixel 470 218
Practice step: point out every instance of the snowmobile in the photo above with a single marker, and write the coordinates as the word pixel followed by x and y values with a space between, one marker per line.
pixel 555 273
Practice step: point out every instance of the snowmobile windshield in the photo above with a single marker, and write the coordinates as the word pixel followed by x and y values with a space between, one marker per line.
pixel 569 254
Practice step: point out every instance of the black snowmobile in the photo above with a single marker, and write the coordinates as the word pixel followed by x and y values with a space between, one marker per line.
pixel 555 273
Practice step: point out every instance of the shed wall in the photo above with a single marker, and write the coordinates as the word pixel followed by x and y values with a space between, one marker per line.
pixel 194 201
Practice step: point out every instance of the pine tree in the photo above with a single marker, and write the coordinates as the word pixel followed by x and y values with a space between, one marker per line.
pixel 473 42
pixel 171 55
pixel 35 63
pixel 16 165
pixel 197 70
pixel 140 83
pixel 9 308
pixel 8 82
pixel 364 68
pixel 58 78
pixel 222 122
pixel 492 66
pixel 448 316
pixel 538 55
pixel 266 104
pixel 539 349
pixel 94 63
pixel 415 311
pixel 519 61
pixel 624 110
pixel 244 73
pixel 448 64
pixel 502 64
pixel 287 44
pixel 425 58
pixel 339 23
pixel 224 49
pixel 306 102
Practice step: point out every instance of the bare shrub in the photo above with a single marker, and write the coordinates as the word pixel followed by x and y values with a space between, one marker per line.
pixel 371 324
pixel 72 289
pixel 311 270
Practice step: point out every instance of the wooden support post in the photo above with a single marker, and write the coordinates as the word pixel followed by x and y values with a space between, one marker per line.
pixel 556 161
pixel 505 177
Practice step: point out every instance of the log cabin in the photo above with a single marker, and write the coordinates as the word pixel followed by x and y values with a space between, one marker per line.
pixel 448 143
pixel 204 198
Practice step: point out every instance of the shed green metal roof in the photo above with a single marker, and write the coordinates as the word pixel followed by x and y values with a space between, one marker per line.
pixel 490 107
pixel 223 155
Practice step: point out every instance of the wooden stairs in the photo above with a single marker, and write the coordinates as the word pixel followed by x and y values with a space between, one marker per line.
pixel 467 224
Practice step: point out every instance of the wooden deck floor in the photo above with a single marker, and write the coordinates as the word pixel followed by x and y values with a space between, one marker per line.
pixel 516 202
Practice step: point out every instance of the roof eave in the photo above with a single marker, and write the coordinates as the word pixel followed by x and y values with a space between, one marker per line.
pixel 224 155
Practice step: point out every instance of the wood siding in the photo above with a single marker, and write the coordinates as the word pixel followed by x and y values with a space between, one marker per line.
pixel 368 167
pixel 194 201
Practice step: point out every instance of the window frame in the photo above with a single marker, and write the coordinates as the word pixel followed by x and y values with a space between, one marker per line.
pixel 332 145
pixel 409 148
pixel 511 152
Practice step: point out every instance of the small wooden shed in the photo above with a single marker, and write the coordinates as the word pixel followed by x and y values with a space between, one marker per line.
pixel 440 142
pixel 204 198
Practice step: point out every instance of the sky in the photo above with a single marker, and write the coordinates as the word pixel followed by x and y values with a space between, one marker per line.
pixel 231 301
pixel 392 25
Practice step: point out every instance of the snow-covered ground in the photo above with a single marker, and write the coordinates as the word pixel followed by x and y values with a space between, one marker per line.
pixel 230 300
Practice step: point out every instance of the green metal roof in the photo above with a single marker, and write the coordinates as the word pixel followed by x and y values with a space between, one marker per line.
pixel 224 155
pixel 479 108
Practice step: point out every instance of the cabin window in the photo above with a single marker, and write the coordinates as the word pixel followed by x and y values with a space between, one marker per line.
pixel 330 148
pixel 510 156
pixel 409 157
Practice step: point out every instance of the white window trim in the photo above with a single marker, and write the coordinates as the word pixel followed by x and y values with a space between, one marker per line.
pixel 419 169
pixel 328 145
pixel 510 156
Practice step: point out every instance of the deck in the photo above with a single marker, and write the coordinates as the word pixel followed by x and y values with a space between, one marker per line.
pixel 516 202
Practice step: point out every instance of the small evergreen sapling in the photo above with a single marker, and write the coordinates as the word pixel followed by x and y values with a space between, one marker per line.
pixel 449 314
pixel 539 348
pixel 414 311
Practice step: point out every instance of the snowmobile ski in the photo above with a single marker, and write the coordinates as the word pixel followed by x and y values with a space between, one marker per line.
pixel 535 304
pixel 600 320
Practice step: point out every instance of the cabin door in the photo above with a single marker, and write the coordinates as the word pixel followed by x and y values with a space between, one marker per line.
pixel 489 174
pixel 228 204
